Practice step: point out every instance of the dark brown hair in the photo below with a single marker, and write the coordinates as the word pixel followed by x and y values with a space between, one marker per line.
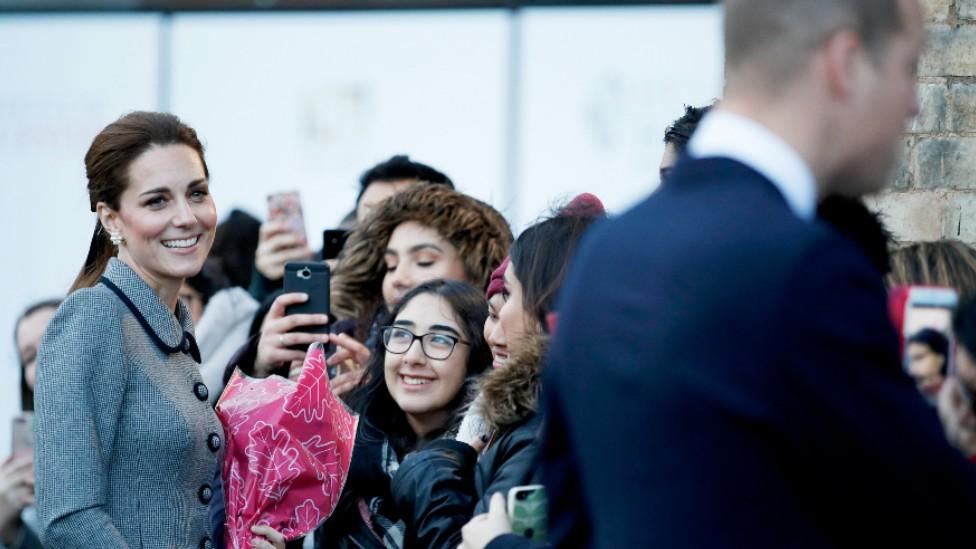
pixel 541 257
pixel 107 165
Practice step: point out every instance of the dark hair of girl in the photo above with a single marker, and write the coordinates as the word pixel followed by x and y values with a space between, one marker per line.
pixel 373 400
pixel 107 164
pixel 26 393
pixel 541 256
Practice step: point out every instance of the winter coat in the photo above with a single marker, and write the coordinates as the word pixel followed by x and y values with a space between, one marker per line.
pixel 440 488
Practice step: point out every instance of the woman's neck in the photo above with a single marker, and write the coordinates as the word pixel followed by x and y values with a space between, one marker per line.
pixel 428 422
pixel 168 290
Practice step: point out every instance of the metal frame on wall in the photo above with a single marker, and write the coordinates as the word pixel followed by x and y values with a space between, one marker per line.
pixel 264 6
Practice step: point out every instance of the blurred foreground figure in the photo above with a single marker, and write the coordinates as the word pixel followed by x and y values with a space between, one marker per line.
pixel 725 373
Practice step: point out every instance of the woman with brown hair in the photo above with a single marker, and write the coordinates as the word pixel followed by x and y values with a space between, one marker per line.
pixel 126 442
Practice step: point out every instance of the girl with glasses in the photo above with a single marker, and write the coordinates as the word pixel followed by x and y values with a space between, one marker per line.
pixel 413 394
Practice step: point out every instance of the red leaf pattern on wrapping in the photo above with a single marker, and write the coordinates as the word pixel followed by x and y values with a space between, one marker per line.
pixel 273 458
pixel 306 516
pixel 308 402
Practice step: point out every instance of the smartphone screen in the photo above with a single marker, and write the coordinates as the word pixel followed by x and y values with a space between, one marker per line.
pixel 929 351
pixel 22 433
pixel 287 206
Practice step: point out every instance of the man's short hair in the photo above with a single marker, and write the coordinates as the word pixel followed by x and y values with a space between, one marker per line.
pixel 398 168
pixel 679 133
pixel 776 37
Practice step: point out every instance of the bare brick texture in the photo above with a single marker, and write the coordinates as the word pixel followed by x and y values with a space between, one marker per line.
pixel 951 51
pixel 947 163
pixel 962 108
pixel 937 10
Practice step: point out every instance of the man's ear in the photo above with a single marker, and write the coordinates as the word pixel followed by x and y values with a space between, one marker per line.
pixel 109 218
pixel 843 54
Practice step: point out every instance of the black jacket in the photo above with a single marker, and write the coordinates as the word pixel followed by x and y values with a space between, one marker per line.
pixel 440 488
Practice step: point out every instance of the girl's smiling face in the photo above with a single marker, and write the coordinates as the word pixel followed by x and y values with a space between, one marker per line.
pixel 421 386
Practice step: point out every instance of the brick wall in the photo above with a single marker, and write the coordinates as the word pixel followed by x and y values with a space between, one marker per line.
pixel 933 194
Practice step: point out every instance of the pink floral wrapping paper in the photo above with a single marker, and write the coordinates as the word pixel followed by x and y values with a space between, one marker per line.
pixel 288 451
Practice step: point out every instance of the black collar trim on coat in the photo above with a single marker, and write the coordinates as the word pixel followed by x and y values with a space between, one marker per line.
pixel 187 344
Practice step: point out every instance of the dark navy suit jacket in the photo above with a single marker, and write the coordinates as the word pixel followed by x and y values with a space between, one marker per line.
pixel 724 374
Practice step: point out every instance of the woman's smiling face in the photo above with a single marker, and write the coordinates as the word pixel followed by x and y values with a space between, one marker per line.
pixel 165 215
pixel 421 386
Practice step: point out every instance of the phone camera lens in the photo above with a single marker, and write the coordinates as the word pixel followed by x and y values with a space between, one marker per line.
pixel 305 273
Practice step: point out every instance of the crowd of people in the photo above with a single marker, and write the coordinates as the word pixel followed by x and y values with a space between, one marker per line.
pixel 715 367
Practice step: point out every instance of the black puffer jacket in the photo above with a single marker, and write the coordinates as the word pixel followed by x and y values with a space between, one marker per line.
pixel 440 488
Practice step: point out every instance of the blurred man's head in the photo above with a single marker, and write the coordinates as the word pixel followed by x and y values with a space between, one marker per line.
pixel 677 135
pixel 839 74
pixel 388 178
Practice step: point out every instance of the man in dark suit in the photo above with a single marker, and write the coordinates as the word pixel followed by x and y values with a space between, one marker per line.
pixel 724 372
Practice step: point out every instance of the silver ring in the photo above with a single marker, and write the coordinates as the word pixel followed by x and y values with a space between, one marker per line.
pixel 281 340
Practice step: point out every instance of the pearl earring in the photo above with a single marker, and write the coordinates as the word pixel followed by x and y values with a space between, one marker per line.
pixel 116 239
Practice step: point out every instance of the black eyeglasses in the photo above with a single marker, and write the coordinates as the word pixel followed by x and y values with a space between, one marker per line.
pixel 435 345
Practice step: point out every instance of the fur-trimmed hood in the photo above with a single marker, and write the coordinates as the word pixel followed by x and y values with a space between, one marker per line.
pixel 510 394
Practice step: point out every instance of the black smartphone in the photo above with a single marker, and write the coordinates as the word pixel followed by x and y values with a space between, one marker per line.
pixel 312 278
pixel 332 242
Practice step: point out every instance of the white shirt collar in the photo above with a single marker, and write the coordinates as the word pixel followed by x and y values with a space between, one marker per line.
pixel 728 135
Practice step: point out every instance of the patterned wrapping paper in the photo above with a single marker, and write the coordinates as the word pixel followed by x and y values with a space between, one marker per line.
pixel 289 446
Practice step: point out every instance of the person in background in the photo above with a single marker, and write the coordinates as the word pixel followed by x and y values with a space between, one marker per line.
pixel 18 528
pixel 725 371
pixel 928 359
pixel 234 248
pixel 278 245
pixel 496 297
pixel 940 263
pixel 676 137
pixel 126 442
pixel 958 393
pixel 507 401
pixel 27 338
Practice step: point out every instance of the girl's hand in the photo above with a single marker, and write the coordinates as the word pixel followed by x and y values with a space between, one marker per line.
pixel 276 335
pixel 277 245
pixel 480 530
pixel 270 538
pixel 347 348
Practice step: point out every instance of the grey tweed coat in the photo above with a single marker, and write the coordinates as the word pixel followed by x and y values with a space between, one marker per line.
pixel 126 443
